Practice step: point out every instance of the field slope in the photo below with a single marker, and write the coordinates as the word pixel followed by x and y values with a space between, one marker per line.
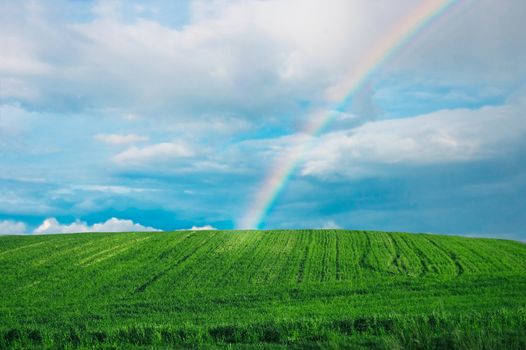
pixel 250 289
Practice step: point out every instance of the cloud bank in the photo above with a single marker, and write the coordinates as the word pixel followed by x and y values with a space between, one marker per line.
pixel 51 225
pixel 9 227
pixel 447 136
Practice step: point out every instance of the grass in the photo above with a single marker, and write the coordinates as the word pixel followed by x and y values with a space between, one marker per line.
pixel 262 289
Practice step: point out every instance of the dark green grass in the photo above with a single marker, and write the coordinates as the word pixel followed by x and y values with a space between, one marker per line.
pixel 262 289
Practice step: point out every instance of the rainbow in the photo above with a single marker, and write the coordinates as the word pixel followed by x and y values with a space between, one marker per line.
pixel 338 96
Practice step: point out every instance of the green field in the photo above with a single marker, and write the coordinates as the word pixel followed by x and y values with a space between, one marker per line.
pixel 262 289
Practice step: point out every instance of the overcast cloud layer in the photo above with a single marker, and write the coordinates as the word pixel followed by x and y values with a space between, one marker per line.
pixel 143 115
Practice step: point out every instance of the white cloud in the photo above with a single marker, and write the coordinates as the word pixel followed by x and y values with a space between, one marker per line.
pixel 331 224
pixel 240 59
pixel 231 56
pixel 15 201
pixel 442 137
pixel 152 153
pixel 17 88
pixel 19 57
pixel 9 227
pixel 51 225
pixel 199 228
pixel 118 139
pixel 475 43
pixel 109 189
pixel 203 228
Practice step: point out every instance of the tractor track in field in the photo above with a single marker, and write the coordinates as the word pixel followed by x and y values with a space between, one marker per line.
pixel 453 256
pixel 178 262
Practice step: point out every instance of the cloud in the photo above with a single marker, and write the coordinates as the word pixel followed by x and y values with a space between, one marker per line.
pixel 331 224
pixel 363 104
pixel 152 153
pixel 9 227
pixel 203 228
pixel 447 136
pixel 16 89
pixel 118 139
pixel 108 189
pixel 244 57
pixel 51 225
pixel 199 228
pixel 478 43
pixel 247 59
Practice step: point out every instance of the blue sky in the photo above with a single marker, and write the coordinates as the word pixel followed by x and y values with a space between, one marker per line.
pixel 158 115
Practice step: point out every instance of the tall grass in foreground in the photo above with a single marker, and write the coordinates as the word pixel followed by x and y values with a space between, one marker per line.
pixel 503 329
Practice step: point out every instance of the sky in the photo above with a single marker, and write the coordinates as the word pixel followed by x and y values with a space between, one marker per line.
pixel 166 115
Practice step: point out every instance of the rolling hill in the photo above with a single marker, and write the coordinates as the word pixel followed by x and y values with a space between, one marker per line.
pixel 269 289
